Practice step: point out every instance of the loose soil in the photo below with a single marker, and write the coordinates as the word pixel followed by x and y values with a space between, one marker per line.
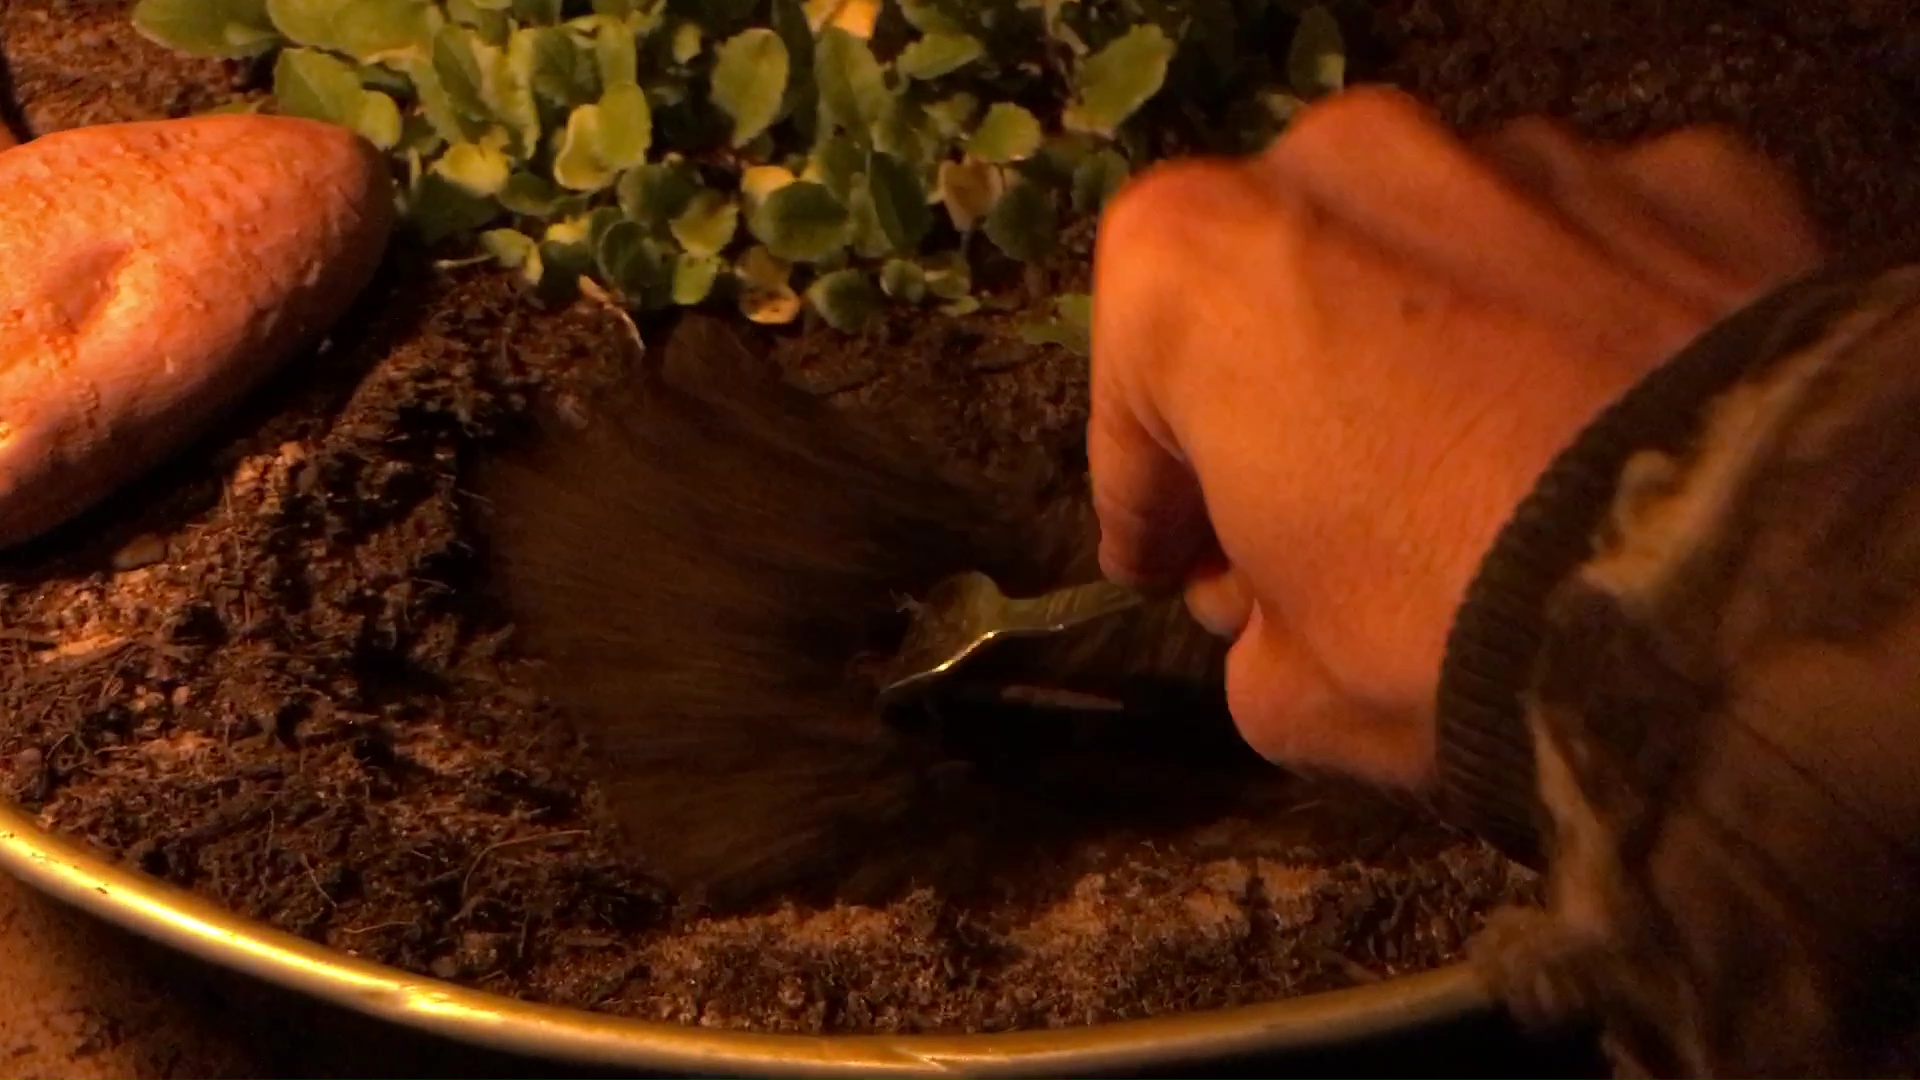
pixel 271 672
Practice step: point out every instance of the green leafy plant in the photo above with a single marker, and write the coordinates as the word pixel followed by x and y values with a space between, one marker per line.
pixel 779 155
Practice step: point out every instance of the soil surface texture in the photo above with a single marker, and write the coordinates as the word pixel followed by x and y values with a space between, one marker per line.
pixel 272 674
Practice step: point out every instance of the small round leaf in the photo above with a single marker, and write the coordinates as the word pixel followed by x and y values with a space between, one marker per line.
pixel 906 131
pixel 378 119
pixel 627 261
pixel 481 15
pixel 367 30
pixel 1071 327
pixel 770 307
pixel 947 275
pixel 1023 223
pixel 563 73
pixel 802 222
pixel 305 22
pixel 626 127
pixel 749 81
pixel 616 52
pixel 317 86
pixel 708 223
pixel 506 88
pixel 938 54
pixel 656 193
pixel 899 202
pixel 845 298
pixel 969 190
pixel 225 28
pixel 930 17
pixel 687 42
pixel 437 208
pixel 1113 83
pixel 1008 133
pixel 476 169
pixel 693 278
pixel 456 66
pixel 530 194
pixel 762 269
pixel 1096 179
pixel 604 139
pixel 562 266
pixel 856 17
pixel 1317 59
pixel 853 89
pixel 511 248
pixel 903 280
pixel 448 121
pixel 576 165
pixel 837 163
pixel 760 181
pixel 950 115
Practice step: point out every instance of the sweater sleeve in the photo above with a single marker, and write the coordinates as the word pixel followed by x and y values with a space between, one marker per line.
pixel 1487 767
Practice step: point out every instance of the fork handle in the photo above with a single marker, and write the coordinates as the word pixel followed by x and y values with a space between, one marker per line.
pixel 1063 609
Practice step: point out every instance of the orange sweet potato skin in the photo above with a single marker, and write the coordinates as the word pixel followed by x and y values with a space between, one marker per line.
pixel 151 274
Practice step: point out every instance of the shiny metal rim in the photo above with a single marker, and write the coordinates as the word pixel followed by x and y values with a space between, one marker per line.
pixel 183 921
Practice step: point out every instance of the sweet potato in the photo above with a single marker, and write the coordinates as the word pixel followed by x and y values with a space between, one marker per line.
pixel 150 275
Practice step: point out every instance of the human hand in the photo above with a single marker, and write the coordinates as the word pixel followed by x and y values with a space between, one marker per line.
pixel 1324 376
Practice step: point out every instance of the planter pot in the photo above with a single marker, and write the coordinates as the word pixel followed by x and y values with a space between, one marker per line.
pixel 180 920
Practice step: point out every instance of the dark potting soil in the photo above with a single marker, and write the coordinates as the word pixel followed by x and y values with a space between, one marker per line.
pixel 271 672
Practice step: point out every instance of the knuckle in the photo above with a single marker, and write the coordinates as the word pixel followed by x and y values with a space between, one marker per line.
pixel 1364 112
pixel 1165 224
pixel 1707 142
pixel 1716 152
pixel 1154 207
pixel 1545 133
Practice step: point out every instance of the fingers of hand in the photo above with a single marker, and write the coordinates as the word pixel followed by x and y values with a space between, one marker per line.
pixel 1153 520
pixel 1728 200
pixel 1366 342
pixel 1580 184
pixel 1157 232
pixel 1693 212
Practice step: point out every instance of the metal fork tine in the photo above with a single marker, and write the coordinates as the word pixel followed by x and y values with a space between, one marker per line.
pixel 965 612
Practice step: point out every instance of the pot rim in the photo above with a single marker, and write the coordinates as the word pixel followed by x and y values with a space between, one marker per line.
pixel 176 918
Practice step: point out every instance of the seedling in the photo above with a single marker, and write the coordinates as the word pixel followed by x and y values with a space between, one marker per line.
pixel 769 154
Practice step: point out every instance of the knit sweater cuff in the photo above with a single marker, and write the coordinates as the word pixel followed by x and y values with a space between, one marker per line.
pixel 1486 767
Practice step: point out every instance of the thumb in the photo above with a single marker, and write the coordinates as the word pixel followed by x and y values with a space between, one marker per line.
pixel 1289 708
pixel 1218 597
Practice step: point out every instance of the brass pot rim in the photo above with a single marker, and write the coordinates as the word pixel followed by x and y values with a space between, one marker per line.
pixel 176 918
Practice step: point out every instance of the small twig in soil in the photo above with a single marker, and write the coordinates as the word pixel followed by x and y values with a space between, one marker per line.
pixel 315 878
pixel 490 849
pixel 604 300
pixel 1360 974
pixel 356 931
pixel 86 650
